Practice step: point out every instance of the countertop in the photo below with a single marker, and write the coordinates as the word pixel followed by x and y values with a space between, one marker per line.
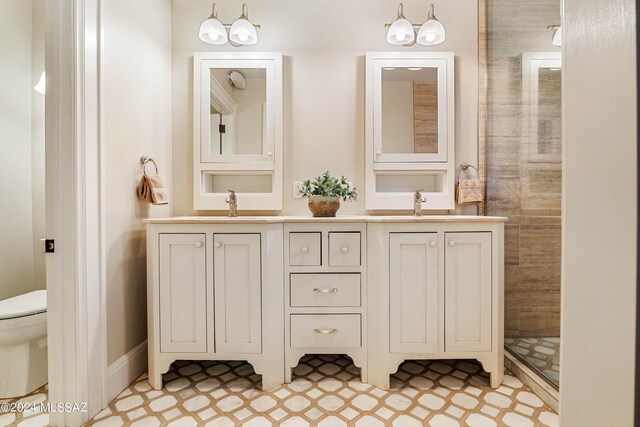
pixel 310 219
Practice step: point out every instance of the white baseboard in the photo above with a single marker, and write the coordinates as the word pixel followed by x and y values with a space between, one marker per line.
pixel 125 370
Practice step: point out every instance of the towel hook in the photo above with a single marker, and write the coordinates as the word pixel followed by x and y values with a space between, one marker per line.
pixel 144 160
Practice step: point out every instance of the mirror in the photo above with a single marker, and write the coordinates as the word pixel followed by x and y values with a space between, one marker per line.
pixel 237 111
pixel 548 140
pixel 410 110
pixel 542 106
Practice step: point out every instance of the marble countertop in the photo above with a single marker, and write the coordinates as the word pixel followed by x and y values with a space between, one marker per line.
pixel 310 219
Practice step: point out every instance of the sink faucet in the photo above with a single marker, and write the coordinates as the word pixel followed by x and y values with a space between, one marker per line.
pixel 417 203
pixel 233 203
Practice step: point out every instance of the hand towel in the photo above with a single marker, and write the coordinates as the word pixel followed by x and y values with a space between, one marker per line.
pixel 151 189
pixel 469 191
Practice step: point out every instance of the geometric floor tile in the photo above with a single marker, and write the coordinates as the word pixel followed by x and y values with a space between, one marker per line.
pixel 543 354
pixel 326 392
pixel 28 418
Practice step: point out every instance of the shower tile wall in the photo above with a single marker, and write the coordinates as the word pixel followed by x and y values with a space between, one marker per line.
pixel 527 191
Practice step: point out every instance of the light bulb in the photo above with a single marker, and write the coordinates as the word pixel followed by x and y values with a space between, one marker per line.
pixel 213 35
pixel 243 37
pixel 430 37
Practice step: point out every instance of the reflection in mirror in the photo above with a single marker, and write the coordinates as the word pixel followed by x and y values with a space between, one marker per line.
pixel 238 97
pixel 549 112
pixel 410 110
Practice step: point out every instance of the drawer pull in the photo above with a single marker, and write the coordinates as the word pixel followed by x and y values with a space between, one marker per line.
pixel 452 243
pixel 325 291
pixel 198 244
pixel 218 244
pixel 325 331
pixel 432 244
pixel 305 250
pixel 345 249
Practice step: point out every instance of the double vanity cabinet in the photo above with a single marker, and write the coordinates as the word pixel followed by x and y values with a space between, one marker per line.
pixel 380 289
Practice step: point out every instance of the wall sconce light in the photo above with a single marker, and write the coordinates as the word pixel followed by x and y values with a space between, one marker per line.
pixel 402 32
pixel 241 33
pixel 556 39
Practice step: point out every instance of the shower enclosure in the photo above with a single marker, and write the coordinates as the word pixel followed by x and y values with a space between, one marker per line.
pixel 523 169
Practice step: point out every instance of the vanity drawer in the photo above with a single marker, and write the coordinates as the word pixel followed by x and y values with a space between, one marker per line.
pixel 344 249
pixel 325 331
pixel 325 290
pixel 305 248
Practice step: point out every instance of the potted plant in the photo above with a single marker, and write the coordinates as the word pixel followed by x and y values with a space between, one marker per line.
pixel 324 194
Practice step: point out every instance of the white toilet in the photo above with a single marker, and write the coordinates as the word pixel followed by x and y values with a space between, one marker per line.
pixel 23 344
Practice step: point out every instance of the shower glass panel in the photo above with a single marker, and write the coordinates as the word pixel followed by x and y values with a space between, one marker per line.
pixel 524 172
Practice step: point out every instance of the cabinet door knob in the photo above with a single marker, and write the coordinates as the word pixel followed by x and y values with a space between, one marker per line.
pixel 218 244
pixel 345 249
pixel 325 331
pixel 198 244
pixel 305 249
pixel 432 244
pixel 270 154
pixel 378 153
pixel 452 243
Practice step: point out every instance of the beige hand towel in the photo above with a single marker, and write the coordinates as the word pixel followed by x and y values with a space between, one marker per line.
pixel 469 191
pixel 151 189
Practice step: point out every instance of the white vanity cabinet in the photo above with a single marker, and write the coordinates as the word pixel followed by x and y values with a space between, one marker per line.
pixel 325 291
pixel 380 289
pixel 435 291
pixel 214 292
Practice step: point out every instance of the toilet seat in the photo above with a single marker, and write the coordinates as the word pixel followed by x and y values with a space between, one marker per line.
pixel 24 305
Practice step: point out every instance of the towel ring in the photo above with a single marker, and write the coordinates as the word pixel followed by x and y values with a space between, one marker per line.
pixel 144 160
pixel 465 167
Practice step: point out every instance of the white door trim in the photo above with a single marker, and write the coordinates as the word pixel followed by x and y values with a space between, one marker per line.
pixel 74 200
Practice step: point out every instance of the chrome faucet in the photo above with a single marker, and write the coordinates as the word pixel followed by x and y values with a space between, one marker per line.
pixel 418 200
pixel 233 203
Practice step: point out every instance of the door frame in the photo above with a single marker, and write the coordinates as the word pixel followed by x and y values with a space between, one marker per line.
pixel 74 215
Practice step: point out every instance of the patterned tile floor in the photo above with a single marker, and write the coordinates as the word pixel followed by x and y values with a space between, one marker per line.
pixel 29 418
pixel 326 392
pixel 541 353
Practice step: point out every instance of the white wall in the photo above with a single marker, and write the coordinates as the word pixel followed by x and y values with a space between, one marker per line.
pixel 136 121
pixel 324 45
pixel 600 214
pixel 21 147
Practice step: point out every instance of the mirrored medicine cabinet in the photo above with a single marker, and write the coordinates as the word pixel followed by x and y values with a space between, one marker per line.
pixel 409 129
pixel 238 129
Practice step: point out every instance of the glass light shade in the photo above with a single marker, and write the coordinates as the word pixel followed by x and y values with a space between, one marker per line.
pixel 41 87
pixel 213 32
pixel 431 33
pixel 557 37
pixel 243 32
pixel 401 32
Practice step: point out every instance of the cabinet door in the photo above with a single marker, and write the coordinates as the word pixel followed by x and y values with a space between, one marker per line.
pixel 413 279
pixel 468 291
pixel 237 284
pixel 183 288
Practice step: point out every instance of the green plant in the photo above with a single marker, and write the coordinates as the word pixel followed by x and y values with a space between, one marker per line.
pixel 326 185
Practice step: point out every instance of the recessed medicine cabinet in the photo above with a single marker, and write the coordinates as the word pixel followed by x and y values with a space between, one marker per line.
pixel 238 130
pixel 409 129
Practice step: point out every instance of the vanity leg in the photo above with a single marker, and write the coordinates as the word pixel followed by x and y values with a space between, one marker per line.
pixel 288 375
pixel 271 380
pixel 379 379
pixel 496 378
pixel 155 378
